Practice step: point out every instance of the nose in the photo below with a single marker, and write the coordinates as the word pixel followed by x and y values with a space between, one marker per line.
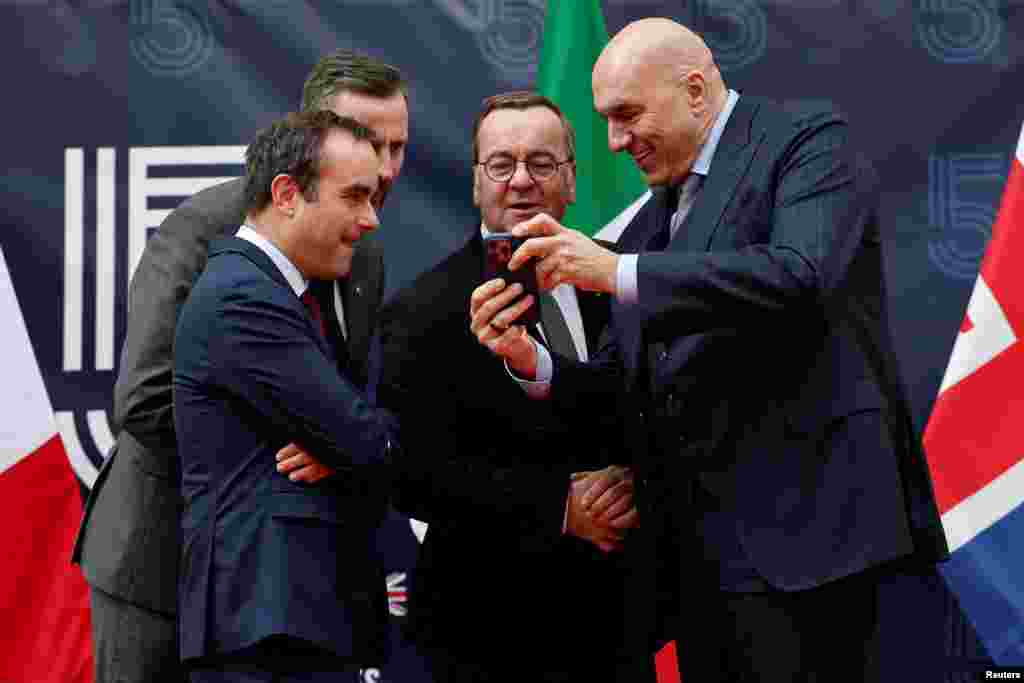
pixel 369 222
pixel 618 137
pixel 388 167
pixel 521 176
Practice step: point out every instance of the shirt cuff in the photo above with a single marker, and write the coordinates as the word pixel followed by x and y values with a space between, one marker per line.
pixel 625 279
pixel 565 515
pixel 540 387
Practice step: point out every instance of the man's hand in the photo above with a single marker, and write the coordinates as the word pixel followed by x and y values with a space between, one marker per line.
pixel 491 321
pixel 564 255
pixel 608 497
pixel 300 465
pixel 579 522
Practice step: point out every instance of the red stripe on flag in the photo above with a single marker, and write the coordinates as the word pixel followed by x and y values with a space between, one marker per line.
pixel 975 432
pixel 45 632
pixel 1002 265
pixel 666 665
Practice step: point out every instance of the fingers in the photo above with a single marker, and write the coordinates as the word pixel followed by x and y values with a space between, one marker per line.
pixel 630 520
pixel 599 482
pixel 287 452
pixel 605 513
pixel 488 307
pixel 535 247
pixel 301 466
pixel 541 225
pixel 613 497
pixel 311 474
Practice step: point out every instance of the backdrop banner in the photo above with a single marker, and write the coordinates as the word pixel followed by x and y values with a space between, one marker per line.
pixel 119 109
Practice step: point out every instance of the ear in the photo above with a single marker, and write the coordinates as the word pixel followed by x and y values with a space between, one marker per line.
pixel 696 88
pixel 285 194
pixel 477 172
pixel 569 183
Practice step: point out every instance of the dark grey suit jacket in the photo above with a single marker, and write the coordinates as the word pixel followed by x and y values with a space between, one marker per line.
pixel 129 541
pixel 758 359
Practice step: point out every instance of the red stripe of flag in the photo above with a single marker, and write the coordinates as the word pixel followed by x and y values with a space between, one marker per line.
pixel 45 630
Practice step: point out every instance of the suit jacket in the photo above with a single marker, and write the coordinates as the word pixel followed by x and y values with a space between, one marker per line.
pixel 262 555
pixel 488 469
pixel 129 540
pixel 758 359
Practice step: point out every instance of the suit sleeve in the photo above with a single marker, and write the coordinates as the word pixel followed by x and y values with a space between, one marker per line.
pixel 819 206
pixel 267 356
pixel 172 260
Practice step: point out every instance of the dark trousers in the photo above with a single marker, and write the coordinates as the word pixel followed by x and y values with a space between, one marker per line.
pixel 591 666
pixel 133 644
pixel 278 659
pixel 822 634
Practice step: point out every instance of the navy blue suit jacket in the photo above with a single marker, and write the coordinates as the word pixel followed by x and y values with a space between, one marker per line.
pixel 758 357
pixel 261 555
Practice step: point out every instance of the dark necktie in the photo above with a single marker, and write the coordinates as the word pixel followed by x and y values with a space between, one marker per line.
pixel 316 297
pixel 663 236
pixel 313 305
pixel 555 328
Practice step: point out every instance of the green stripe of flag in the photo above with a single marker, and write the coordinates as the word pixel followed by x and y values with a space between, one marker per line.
pixel 606 183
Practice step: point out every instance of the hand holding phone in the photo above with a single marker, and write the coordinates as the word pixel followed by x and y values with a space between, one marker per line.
pixel 498 250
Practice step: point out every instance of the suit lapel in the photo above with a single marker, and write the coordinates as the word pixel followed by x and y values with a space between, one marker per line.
pixel 356 297
pixel 263 262
pixel 732 158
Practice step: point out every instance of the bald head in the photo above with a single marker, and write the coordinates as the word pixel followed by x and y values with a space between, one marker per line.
pixel 657 84
pixel 658 43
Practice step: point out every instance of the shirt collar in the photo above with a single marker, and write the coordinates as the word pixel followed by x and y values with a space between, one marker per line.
pixel 702 166
pixel 291 273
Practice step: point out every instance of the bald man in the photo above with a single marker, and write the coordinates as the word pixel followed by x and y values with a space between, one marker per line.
pixel 780 476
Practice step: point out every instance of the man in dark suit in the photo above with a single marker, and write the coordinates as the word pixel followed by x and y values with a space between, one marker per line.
pixel 513 581
pixel 279 580
pixel 777 463
pixel 129 542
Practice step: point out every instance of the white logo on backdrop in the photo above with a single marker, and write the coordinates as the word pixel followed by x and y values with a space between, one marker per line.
pixel 142 186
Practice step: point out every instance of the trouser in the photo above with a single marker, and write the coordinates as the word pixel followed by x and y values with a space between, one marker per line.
pixel 822 634
pixel 133 644
pixel 277 659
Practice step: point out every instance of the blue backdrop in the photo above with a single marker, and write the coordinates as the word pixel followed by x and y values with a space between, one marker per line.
pixel 117 109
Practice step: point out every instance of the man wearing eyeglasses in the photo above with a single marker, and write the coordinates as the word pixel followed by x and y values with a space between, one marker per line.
pixel 515 581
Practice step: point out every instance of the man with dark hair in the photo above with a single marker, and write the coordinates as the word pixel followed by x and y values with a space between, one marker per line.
pixel 777 464
pixel 279 580
pixel 129 542
pixel 514 581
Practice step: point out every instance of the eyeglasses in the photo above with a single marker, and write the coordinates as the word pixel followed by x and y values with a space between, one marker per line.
pixel 501 167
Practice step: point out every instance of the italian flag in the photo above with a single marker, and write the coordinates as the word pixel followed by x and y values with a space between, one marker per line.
pixel 45 629
pixel 609 189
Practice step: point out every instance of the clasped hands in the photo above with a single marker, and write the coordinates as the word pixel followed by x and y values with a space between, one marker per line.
pixel 600 508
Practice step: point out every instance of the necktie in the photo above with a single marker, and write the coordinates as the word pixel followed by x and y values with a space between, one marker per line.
pixel 313 305
pixel 660 239
pixel 679 201
pixel 322 295
pixel 557 331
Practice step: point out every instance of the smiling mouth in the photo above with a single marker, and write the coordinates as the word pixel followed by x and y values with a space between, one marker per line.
pixel 524 207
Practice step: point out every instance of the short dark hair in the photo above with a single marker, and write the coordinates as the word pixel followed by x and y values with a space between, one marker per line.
pixel 521 99
pixel 293 145
pixel 349 71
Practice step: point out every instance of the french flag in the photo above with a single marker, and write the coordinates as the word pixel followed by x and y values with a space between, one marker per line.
pixel 975 439
pixel 45 630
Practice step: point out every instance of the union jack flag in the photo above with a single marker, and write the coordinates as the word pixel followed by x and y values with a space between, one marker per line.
pixel 397 595
pixel 975 439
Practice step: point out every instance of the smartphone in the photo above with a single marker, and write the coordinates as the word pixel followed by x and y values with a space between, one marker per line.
pixel 498 250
